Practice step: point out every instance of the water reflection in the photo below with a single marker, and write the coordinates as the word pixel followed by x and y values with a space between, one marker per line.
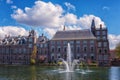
pixel 46 73
pixel 114 73
pixel 33 73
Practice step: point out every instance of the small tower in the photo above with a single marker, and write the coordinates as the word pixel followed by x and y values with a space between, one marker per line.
pixel 93 26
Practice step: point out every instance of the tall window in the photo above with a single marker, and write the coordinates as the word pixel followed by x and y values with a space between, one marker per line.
pixel 98 32
pixel 52 42
pixel 85 42
pixel 58 42
pixel 105 50
pixel 30 45
pixel 52 49
pixel 100 51
pixel 91 48
pixel 41 45
pixel 91 41
pixel 64 42
pixel 71 42
pixel 45 45
pixel 98 37
pixel 58 49
pixel 65 49
pixel 85 49
pixel 78 42
pixel 104 32
pixel 30 39
pixel 92 57
pixel 77 48
pixel 105 44
pixel 99 44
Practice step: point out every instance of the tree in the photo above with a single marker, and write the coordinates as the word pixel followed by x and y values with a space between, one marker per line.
pixel 33 55
pixel 117 50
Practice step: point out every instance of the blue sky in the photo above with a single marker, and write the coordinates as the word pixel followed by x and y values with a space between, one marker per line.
pixel 105 11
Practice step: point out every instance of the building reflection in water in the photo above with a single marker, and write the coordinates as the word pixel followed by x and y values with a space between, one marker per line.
pixel 73 76
pixel 114 73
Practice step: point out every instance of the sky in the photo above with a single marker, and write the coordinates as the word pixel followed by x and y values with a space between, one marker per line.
pixel 17 17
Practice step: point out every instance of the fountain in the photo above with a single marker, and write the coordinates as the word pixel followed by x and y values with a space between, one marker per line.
pixel 70 63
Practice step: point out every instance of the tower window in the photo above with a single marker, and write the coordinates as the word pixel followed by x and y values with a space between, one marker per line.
pixel 98 32
pixel 104 32
pixel 100 51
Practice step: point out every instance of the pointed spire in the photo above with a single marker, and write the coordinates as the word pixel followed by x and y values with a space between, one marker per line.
pixel 93 23
pixel 64 28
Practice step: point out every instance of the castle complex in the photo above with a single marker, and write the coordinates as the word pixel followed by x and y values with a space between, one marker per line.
pixel 90 44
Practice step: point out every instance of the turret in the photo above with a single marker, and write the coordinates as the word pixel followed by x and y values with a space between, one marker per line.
pixel 93 26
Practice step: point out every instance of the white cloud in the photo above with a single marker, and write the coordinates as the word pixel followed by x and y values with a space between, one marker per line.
pixel 41 14
pixel 106 8
pixel 12 31
pixel 49 15
pixel 13 7
pixel 69 6
pixel 70 19
pixel 9 1
pixel 113 40
pixel 50 18
pixel 85 21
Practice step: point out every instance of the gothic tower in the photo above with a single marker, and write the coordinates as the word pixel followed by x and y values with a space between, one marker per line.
pixel 93 27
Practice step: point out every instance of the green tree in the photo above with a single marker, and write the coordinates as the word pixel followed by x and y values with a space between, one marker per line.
pixel 33 55
pixel 117 50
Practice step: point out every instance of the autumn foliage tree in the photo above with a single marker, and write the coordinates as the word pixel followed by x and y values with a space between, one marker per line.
pixel 33 55
pixel 118 50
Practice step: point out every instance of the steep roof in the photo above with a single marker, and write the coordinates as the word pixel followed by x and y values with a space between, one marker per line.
pixel 73 35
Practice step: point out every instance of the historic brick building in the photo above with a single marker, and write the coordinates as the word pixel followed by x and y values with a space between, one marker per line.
pixel 42 48
pixel 17 50
pixel 101 35
pixel 91 44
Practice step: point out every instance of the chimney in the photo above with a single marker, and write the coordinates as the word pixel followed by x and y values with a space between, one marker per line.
pixel 64 28
pixel 100 26
pixel 42 34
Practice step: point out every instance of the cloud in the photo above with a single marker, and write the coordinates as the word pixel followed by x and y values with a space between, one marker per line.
pixel 41 14
pixel 106 8
pixel 9 1
pixel 49 15
pixel 12 31
pixel 85 21
pixel 70 19
pixel 13 7
pixel 51 18
pixel 69 6
pixel 113 40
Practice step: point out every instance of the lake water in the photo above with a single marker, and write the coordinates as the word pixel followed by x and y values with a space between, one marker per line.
pixel 50 73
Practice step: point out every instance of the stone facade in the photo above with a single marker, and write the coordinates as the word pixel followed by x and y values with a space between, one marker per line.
pixel 92 45
pixel 17 50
